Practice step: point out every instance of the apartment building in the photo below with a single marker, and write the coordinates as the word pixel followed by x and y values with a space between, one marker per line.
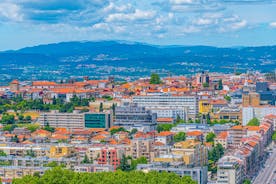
pixel 199 174
pixel 24 150
pixel 249 113
pixel 10 172
pixel 28 161
pixel 132 116
pixel 193 152
pixel 230 170
pixel 93 168
pixel 110 156
pixel 185 103
pixel 76 120
pixel 235 135
pixel 222 138
pixel 62 150
pixel 62 120
pixel 143 148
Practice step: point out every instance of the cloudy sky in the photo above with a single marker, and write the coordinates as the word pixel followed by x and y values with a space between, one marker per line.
pixel 182 22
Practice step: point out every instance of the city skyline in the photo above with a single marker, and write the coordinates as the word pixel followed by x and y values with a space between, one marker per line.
pixel 176 22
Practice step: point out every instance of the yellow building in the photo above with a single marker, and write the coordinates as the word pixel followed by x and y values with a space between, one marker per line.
pixel 192 151
pixel 204 106
pixel 169 158
pixel 59 151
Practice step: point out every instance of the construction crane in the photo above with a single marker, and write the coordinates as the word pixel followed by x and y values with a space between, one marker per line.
pixel 235 68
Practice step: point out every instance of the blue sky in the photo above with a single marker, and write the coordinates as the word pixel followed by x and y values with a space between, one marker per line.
pixel 167 22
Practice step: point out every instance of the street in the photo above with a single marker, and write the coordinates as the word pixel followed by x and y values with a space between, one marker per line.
pixel 267 175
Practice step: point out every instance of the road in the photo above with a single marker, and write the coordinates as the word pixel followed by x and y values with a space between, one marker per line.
pixel 268 174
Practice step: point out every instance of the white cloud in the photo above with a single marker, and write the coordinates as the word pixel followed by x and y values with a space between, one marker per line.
pixel 101 26
pixel 203 21
pixel 117 8
pixel 10 11
pixel 239 25
pixel 135 16
pixel 272 24
pixel 179 2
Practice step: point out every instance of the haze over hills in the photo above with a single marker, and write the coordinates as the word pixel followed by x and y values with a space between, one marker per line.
pixel 128 59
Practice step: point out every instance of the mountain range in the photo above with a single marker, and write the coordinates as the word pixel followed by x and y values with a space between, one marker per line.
pixel 128 60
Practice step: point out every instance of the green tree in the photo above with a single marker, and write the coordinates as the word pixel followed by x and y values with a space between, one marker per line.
pixel 32 127
pixel 115 130
pixel 253 122
pixel 49 128
pixel 181 136
pixel 227 98
pixel 274 136
pixel 205 85
pixel 247 181
pixel 59 175
pixel 210 137
pixel 135 162
pixel 51 164
pixel 101 107
pixel 9 128
pixel 28 119
pixel 214 155
pixel 86 160
pixel 155 79
pixel 31 153
pixel 8 119
pixel 124 164
pixel 15 139
pixel 2 153
pixel 164 127
pixel 20 117
pixel 133 131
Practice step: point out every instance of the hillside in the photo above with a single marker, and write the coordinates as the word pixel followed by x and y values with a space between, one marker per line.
pixel 128 59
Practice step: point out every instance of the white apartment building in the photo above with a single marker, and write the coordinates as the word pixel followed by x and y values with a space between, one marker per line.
pixel 183 103
pixel 63 120
pixel 229 171
pixel 249 113
pixel 170 113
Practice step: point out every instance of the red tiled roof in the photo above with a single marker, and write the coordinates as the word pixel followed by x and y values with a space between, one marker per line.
pixel 194 133
pixel 165 133
pixel 164 120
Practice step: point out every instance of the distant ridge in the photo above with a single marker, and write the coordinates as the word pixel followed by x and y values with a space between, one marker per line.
pixel 129 59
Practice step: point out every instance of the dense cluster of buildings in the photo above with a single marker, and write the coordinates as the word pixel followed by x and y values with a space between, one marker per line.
pixel 85 141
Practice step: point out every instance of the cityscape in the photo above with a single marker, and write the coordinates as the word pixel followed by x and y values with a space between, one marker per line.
pixel 138 92
pixel 212 127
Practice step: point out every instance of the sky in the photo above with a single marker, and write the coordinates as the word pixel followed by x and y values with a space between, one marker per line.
pixel 221 23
